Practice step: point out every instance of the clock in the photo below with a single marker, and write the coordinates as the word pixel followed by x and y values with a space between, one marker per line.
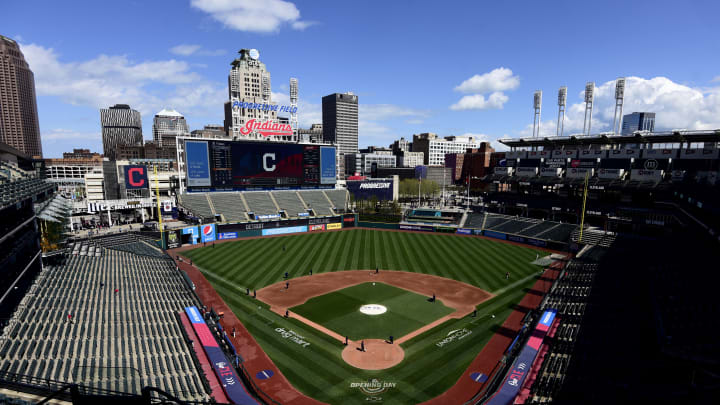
pixel 254 54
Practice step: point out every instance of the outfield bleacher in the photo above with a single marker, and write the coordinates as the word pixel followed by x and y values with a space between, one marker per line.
pixel 197 204
pixel 117 340
pixel 289 202
pixel 260 203
pixel 232 206
pixel 527 227
pixel 338 198
pixel 474 220
pixel 317 201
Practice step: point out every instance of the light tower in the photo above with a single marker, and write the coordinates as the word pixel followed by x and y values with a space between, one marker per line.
pixel 562 102
pixel 293 107
pixel 589 97
pixel 537 104
pixel 619 98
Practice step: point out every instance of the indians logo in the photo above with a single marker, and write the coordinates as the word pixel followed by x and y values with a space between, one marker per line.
pixel 267 128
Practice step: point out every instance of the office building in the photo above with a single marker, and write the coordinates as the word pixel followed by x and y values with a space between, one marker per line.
pixel 401 145
pixel 167 125
pixel 410 159
pixel 121 125
pixel 250 96
pixel 435 148
pixel 638 121
pixel 340 121
pixel 209 131
pixel 312 135
pixel 19 126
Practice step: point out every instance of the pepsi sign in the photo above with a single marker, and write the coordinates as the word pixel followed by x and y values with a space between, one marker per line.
pixel 136 177
pixel 207 233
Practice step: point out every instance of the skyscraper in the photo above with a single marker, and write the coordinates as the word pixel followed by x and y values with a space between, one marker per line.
pixel 121 125
pixel 638 121
pixel 340 121
pixel 249 89
pixel 19 126
pixel 167 125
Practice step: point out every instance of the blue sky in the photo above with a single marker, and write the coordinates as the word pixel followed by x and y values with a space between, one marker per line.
pixel 453 68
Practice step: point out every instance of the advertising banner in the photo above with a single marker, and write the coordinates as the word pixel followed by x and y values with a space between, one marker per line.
pixel 583 163
pixel 417 228
pixel 174 239
pixel 623 153
pixel 207 232
pixel 646 175
pixel 318 227
pixel 267 216
pixel 193 231
pixel 503 170
pixel 592 154
pixel 610 173
pixel 526 171
pixel 382 189
pixel 579 172
pixel 514 238
pixel 496 235
pixel 550 172
pixel 227 235
pixel 136 177
pixel 198 163
pixel 555 162
pixel 348 220
pixel 330 227
pixel 561 153
pixel 660 153
pixel 464 231
pixel 231 382
pixel 281 231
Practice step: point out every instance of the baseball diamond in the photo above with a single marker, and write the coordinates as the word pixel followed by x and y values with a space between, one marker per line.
pixel 424 364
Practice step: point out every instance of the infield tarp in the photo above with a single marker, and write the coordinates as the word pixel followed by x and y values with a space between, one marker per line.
pixel 232 385
pixel 521 367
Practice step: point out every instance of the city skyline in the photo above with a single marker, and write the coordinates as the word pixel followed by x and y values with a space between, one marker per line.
pixel 471 74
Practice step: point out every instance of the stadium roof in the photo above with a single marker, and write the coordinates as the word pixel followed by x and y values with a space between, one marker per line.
pixel 674 136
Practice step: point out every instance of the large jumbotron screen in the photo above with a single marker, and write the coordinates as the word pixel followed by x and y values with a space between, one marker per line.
pixel 214 165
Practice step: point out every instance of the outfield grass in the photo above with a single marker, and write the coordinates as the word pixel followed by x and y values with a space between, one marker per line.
pixel 339 311
pixel 318 370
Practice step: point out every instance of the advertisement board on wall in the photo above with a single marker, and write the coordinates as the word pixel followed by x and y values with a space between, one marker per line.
pixel 215 165
pixel 282 231
pixel 348 220
pixel 330 227
pixel 646 175
pixel 227 235
pixel 207 233
pixel 417 228
pixel 173 239
pixel 579 172
pixel 382 189
pixel 464 231
pixel 193 232
pixel 136 177
pixel 610 173
pixel 316 227
pixel 496 235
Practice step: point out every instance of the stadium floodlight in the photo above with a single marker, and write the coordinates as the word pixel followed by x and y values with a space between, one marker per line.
pixel 562 102
pixel 589 97
pixel 537 104
pixel 619 98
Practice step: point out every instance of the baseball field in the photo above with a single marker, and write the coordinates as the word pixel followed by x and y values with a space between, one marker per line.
pixel 441 338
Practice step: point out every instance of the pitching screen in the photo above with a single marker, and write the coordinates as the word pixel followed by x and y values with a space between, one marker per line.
pixel 247 165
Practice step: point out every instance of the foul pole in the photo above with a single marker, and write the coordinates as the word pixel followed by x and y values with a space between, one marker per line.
pixel 582 218
pixel 157 197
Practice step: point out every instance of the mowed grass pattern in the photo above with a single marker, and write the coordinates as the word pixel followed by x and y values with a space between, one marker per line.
pixel 339 311
pixel 318 370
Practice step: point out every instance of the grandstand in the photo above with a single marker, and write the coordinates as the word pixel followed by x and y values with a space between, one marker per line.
pixel 122 296
pixel 237 206
pixel 528 227
pixel 436 217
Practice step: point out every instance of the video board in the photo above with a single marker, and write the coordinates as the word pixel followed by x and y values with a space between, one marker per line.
pixel 214 165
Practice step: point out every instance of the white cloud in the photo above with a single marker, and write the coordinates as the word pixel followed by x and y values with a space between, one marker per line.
pixel 716 79
pixel 500 79
pixel 106 80
pixel 676 106
pixel 253 16
pixel 496 100
pixel 62 134
pixel 187 50
pixel 377 112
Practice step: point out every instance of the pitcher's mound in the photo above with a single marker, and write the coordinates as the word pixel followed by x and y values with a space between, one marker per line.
pixel 378 354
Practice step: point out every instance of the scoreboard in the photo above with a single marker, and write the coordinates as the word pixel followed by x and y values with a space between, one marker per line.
pixel 214 165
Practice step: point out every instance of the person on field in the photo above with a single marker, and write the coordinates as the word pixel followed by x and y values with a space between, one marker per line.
pixel 287 313
pixel 362 346
pixel 254 293
pixel 287 285
pixel 377 270
pixel 311 272
pixel 346 340
pixel 507 275
pixel 286 274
